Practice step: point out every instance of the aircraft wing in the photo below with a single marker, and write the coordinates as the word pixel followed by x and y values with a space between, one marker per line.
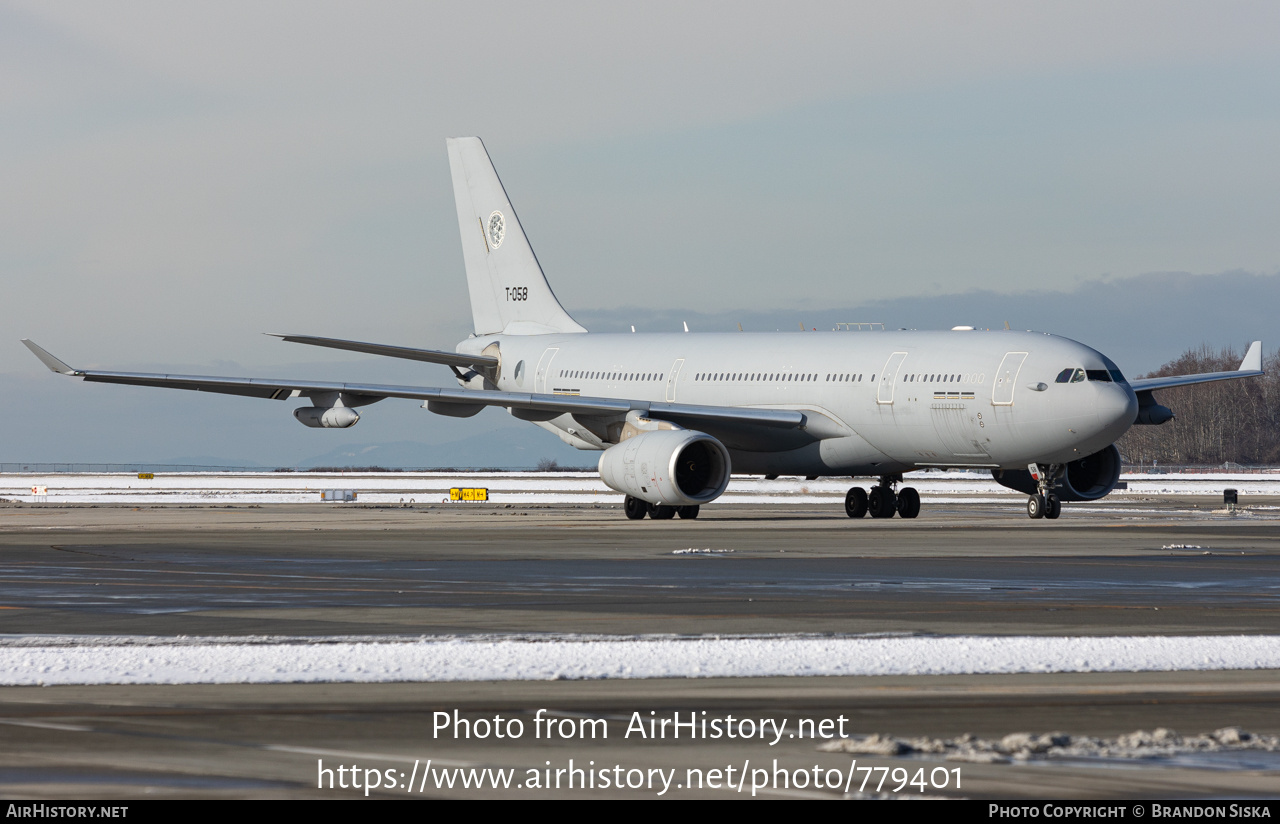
pixel 1250 367
pixel 734 422
pixel 427 355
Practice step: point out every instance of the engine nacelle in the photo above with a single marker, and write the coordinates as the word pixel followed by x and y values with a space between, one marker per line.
pixel 1087 479
pixel 676 467
pixel 326 417
pixel 1151 412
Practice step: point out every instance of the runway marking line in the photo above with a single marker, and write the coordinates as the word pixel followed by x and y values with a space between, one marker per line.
pixel 46 725
pixel 373 755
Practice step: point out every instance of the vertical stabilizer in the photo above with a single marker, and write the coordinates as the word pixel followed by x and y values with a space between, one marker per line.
pixel 508 291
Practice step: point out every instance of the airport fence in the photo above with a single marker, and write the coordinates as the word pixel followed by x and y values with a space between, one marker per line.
pixel 104 468
pixel 1198 469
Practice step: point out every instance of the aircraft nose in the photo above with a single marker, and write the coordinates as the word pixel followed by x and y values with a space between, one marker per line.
pixel 1117 408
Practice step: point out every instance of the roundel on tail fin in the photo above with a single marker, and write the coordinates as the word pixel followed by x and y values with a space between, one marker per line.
pixel 496 229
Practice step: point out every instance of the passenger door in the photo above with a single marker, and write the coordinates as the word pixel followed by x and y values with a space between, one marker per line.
pixel 671 381
pixel 1007 378
pixel 889 377
pixel 544 370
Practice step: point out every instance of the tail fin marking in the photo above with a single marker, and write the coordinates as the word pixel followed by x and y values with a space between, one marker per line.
pixel 509 292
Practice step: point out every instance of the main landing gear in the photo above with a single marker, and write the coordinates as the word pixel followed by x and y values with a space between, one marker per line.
pixel 1045 504
pixel 882 502
pixel 636 509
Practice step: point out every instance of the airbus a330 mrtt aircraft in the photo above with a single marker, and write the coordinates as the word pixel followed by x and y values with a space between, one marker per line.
pixel 674 414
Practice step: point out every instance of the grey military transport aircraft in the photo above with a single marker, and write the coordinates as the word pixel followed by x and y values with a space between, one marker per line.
pixel 674 414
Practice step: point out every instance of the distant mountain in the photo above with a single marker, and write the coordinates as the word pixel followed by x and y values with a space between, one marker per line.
pixel 509 448
pixel 208 460
pixel 1141 322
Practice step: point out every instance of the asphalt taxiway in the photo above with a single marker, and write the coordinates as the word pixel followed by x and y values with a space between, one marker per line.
pixel 1166 566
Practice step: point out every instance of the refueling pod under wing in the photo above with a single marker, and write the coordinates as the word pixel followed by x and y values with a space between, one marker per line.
pixel 326 417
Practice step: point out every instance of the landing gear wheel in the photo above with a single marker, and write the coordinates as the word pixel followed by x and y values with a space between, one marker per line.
pixel 908 502
pixel 687 513
pixel 855 502
pixel 1036 506
pixel 881 503
pixel 635 508
pixel 661 512
pixel 1052 506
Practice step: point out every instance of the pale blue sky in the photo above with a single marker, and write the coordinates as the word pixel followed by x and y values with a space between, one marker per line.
pixel 181 177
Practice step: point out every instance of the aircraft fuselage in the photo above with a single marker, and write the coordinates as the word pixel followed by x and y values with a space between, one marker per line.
pixel 879 402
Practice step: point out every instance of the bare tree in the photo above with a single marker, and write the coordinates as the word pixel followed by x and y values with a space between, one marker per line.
pixel 1225 421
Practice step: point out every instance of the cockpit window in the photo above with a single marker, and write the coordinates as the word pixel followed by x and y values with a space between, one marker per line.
pixel 1072 375
pixel 1076 375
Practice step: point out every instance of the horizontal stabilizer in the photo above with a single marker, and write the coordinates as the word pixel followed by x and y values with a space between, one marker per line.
pixel 427 355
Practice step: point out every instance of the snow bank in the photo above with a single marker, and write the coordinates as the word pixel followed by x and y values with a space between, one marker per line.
pixel 47 660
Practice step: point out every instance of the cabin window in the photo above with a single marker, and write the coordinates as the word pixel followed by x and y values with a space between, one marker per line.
pixel 1099 375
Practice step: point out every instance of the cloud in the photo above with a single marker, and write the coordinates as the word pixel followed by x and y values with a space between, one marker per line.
pixel 182 177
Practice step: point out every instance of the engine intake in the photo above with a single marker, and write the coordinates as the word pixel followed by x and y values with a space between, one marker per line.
pixel 676 467
pixel 1087 479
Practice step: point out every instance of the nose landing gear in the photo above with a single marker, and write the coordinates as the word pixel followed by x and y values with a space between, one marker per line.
pixel 1045 504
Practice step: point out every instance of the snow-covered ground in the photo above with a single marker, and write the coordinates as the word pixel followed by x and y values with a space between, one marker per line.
pixel 30 660
pixel 540 487
pixel 27 660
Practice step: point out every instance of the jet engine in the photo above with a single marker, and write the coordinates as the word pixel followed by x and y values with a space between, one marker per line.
pixel 1087 479
pixel 326 417
pixel 675 467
